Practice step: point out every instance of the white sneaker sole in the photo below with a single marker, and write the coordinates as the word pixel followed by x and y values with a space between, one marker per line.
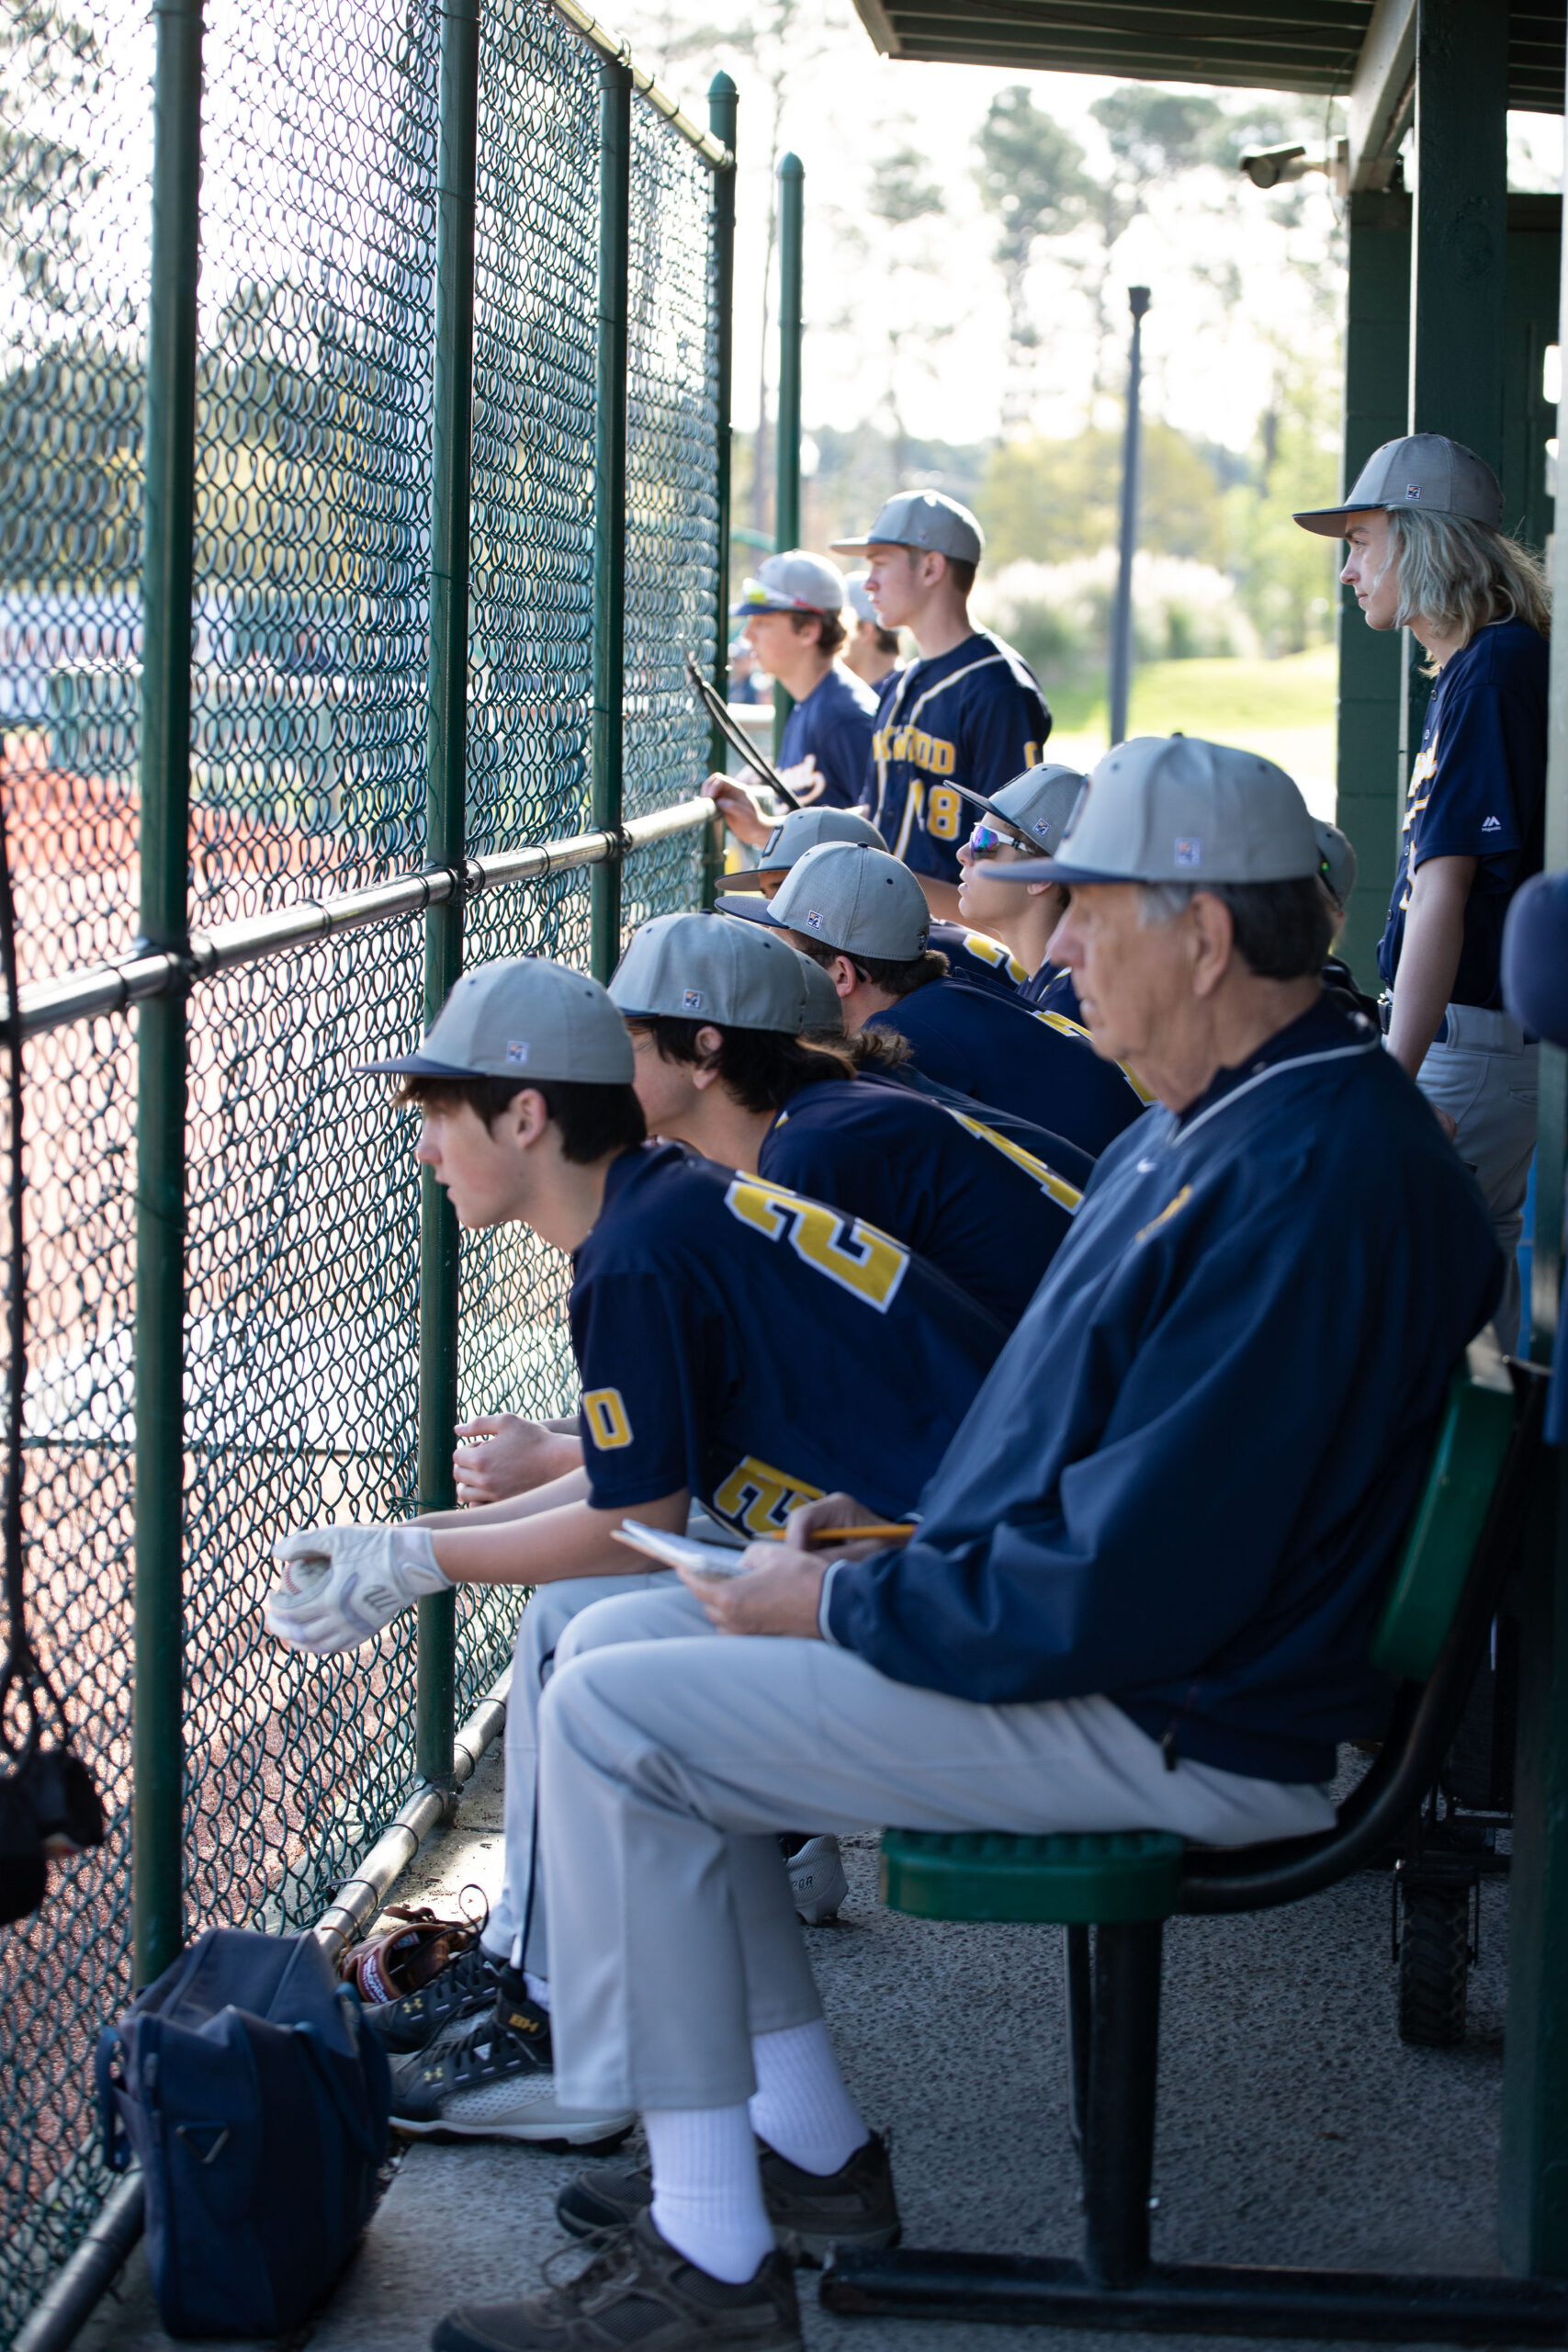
pixel 816 1881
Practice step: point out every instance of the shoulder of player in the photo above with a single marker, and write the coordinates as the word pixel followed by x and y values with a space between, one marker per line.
pixel 653 1210
pixel 1505 659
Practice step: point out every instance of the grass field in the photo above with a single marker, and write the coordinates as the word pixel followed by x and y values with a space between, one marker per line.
pixel 1284 709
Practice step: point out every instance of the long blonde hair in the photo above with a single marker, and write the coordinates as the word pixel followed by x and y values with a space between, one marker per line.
pixel 1464 573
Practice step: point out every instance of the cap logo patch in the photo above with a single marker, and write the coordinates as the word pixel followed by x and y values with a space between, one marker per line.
pixel 1412 490
pixel 691 1002
pixel 1190 852
pixel 814 918
pixel 517 1051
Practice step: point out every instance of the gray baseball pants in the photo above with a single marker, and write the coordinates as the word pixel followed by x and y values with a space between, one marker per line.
pixel 519 1914
pixel 669 1759
pixel 1486 1078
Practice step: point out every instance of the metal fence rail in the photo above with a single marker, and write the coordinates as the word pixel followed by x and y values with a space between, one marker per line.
pixel 316 681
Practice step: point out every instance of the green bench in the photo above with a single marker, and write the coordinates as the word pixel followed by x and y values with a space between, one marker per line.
pixel 1463 1535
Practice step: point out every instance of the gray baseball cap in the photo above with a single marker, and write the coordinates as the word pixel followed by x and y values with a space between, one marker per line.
pixel 699 967
pixel 524 1020
pixel 1336 861
pixel 794 583
pixel 1175 809
pixel 922 518
pixel 853 898
pixel 823 1010
pixel 858 598
pixel 1424 469
pixel 802 830
pixel 1039 803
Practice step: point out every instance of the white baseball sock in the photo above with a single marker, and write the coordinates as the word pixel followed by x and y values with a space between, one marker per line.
pixel 539 1990
pixel 800 2106
pixel 708 2192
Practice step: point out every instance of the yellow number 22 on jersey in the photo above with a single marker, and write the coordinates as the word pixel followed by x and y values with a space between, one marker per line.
pixel 858 1257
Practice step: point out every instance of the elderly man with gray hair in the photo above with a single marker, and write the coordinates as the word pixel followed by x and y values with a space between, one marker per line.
pixel 1139 1593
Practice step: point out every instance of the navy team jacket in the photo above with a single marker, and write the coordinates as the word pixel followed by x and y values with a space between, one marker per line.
pixel 1184 1481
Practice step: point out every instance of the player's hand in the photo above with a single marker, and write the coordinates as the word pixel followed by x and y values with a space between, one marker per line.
pixel 779 1591
pixel 341 1585
pixel 1449 1127
pixel 741 807
pixel 827 1511
pixel 508 1456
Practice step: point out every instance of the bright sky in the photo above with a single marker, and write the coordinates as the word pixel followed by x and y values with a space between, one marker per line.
pixel 1233 282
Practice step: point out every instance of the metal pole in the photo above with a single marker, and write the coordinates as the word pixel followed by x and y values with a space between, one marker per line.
pixel 723 106
pixel 610 502
pixel 1122 623
pixel 787 502
pixel 168 512
pixel 445 797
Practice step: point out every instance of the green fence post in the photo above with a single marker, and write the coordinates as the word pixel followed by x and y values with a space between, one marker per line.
pixel 168 519
pixel 1368 799
pixel 722 108
pixel 786 497
pixel 610 503
pixel 444 822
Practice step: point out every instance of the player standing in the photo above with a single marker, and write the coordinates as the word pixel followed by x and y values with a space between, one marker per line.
pixel 792 612
pixel 872 652
pixel 969 711
pixel 1427 553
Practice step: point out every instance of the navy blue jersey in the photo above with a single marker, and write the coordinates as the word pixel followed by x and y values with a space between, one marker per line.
pixel 758 1349
pixel 832 728
pixel 1040 1064
pixel 1535 991
pixel 973 1204
pixel 1051 990
pixel 1179 1486
pixel 1478 789
pixel 974 716
pixel 975 956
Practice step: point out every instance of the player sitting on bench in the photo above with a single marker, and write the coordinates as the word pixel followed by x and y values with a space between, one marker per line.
pixel 735 1343
pixel 863 916
pixel 716 1009
pixel 970 954
pixel 1139 1595
pixel 1026 819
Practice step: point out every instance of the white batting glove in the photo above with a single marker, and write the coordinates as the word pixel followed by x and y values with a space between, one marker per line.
pixel 341 1585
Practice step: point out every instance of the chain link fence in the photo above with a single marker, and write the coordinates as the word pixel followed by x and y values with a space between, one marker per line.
pixel 311 745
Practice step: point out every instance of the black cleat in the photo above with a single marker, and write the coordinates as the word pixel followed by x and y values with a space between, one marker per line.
pixel 637 2292
pixel 855 2207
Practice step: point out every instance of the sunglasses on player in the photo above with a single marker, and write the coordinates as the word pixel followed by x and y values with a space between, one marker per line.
pixel 984 840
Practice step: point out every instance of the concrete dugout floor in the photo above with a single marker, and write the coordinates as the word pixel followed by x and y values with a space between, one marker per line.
pixel 1294 2124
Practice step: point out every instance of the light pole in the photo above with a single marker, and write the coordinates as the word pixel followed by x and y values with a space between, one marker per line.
pixel 1122 622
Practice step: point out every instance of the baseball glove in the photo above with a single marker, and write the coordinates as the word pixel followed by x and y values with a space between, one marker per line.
pixel 402 1959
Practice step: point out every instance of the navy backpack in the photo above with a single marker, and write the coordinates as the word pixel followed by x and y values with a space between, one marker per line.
pixel 255 2102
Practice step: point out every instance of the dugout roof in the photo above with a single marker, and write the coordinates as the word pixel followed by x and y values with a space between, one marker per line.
pixel 1311 46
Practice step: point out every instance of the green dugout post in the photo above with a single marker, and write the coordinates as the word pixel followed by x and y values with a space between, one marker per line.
pixel 1458 251
pixel 446 800
pixel 1533 2171
pixel 1377 391
pixel 168 515
pixel 722 108
pixel 610 503
pixel 786 500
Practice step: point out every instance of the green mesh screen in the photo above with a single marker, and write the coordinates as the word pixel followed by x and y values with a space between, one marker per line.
pixel 309 743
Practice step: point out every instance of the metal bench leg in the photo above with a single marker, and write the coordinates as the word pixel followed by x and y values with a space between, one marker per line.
pixel 1120 2126
pixel 1079 2009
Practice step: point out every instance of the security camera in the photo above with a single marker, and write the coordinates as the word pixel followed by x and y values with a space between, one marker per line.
pixel 1272 166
